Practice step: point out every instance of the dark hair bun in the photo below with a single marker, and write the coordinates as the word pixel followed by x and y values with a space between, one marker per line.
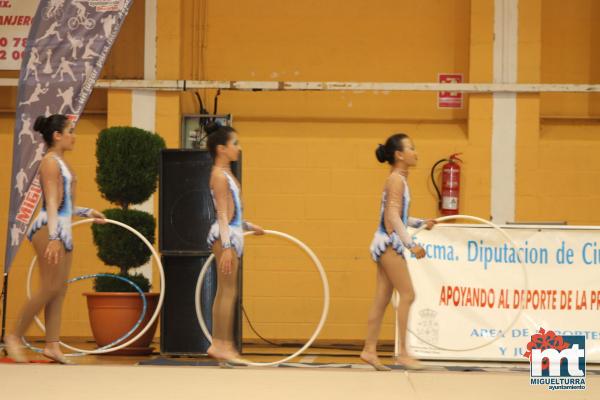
pixel 380 153
pixel 386 152
pixel 211 127
pixel 217 136
pixel 40 123
pixel 46 126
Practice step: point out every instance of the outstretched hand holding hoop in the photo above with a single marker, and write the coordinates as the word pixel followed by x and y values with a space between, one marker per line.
pixel 99 218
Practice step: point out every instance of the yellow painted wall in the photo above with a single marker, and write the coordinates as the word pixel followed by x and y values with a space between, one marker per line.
pixel 75 315
pixel 570 54
pixel 559 133
pixel 125 61
pixel 309 166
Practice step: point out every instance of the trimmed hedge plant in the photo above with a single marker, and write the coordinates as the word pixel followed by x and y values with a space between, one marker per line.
pixel 127 174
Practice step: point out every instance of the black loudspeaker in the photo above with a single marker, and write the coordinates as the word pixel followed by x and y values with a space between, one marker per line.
pixel 186 213
pixel 185 204
pixel 180 329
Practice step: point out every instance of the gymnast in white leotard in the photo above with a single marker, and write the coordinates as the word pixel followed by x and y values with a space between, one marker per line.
pixel 235 224
pixel 226 239
pixel 50 234
pixel 387 248
pixel 65 210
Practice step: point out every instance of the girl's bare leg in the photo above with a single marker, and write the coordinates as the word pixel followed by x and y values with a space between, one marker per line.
pixel 396 269
pixel 223 310
pixel 52 286
pixel 383 294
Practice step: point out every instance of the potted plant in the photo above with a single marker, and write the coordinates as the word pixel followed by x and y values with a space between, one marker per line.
pixel 127 174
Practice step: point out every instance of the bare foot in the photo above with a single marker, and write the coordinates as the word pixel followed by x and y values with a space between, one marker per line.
pixel 238 360
pixel 226 358
pixel 409 362
pixel 15 348
pixel 235 357
pixel 56 356
pixel 373 360
pixel 220 354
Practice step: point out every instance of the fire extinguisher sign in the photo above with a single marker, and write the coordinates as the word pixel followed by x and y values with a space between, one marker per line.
pixel 450 99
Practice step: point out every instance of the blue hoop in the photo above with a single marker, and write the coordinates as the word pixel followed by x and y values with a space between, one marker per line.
pixel 119 340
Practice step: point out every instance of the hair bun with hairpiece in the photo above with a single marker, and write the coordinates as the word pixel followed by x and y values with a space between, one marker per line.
pixel 212 127
pixel 40 123
pixel 380 153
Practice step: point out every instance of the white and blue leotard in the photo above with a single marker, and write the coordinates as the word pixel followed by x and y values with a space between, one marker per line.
pixel 65 210
pixel 236 230
pixel 399 237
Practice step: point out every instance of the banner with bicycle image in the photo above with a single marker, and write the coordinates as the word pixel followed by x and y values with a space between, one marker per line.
pixel 66 47
pixel 480 297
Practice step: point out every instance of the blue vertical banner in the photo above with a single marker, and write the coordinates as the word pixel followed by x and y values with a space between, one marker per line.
pixel 67 46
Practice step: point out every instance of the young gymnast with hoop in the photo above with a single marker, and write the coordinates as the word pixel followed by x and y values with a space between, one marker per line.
pixel 50 235
pixel 226 238
pixel 387 248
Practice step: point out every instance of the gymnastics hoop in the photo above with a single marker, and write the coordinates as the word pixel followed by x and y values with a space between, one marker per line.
pixel 513 245
pixel 114 343
pixel 322 273
pixel 161 298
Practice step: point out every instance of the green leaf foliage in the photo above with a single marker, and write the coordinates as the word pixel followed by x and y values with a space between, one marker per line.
pixel 119 247
pixel 108 284
pixel 127 164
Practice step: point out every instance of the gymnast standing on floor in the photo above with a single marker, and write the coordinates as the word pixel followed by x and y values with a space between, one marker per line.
pixel 387 248
pixel 226 238
pixel 50 235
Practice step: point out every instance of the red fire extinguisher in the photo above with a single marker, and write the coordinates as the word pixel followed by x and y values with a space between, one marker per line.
pixel 448 197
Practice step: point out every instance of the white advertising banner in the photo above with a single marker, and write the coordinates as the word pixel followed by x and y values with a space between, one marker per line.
pixel 479 298
pixel 15 21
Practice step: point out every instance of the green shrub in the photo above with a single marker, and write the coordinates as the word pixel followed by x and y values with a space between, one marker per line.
pixel 107 284
pixel 119 247
pixel 128 161
pixel 126 173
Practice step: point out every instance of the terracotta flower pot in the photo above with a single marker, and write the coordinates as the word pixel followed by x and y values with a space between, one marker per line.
pixel 114 314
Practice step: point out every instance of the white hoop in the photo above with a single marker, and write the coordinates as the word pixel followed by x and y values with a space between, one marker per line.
pixel 322 273
pixel 150 322
pixel 395 298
